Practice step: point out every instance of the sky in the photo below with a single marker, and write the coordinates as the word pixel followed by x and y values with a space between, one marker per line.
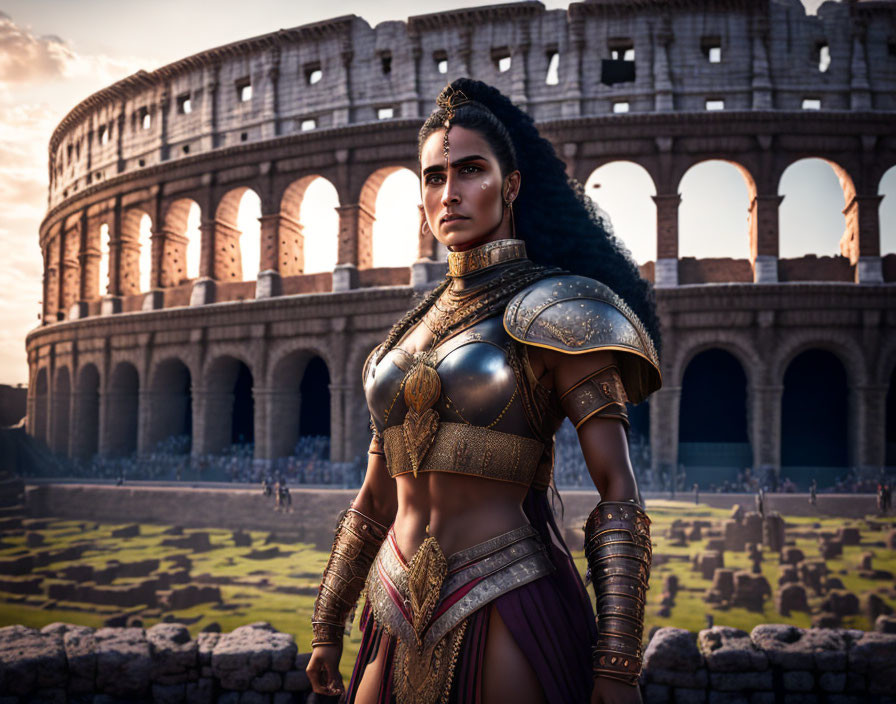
pixel 54 53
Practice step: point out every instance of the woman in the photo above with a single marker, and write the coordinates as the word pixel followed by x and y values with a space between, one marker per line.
pixel 451 530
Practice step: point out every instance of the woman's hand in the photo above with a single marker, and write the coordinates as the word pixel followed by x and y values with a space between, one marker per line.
pixel 610 691
pixel 323 671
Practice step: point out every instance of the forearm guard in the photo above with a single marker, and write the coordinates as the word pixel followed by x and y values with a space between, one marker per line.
pixel 358 539
pixel 618 551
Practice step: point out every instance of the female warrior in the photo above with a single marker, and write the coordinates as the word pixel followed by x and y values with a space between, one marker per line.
pixel 451 531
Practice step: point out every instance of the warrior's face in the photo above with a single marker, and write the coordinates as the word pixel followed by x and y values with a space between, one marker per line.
pixel 464 195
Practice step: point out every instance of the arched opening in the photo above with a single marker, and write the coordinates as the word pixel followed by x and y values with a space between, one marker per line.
pixel 713 441
pixel 622 191
pixel 238 236
pixel 122 403
pixel 171 409
pixel 136 252
pixel 890 424
pixel 229 406
pixel 183 242
pixel 810 218
pixel 41 400
pixel 713 218
pixel 85 437
pixel 396 229
pixel 814 419
pixel 887 189
pixel 62 399
pixel 104 260
pixel 320 225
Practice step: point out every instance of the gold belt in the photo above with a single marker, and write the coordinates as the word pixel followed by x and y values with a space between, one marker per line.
pixel 468 449
pixel 425 604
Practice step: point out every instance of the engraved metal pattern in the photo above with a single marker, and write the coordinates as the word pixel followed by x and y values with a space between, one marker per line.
pixel 601 393
pixel 576 314
pixel 467 449
pixel 487 255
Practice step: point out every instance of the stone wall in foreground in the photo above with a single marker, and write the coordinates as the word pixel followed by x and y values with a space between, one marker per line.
pixel 255 663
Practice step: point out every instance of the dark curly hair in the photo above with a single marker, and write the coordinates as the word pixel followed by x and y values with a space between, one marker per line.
pixel 558 223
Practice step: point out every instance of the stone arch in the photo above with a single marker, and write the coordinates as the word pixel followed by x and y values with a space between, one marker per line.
pixel 41 404
pixel 135 264
pixel 737 346
pixel 314 202
pixel 844 347
pixel 182 242
pixel 170 405
pixel 714 418
pixel 719 206
pixel 887 211
pixel 229 409
pixel 122 410
pixel 815 421
pixel 235 256
pixel 623 190
pixel 394 195
pixel 61 415
pixel 808 207
pixel 85 434
pixel 287 404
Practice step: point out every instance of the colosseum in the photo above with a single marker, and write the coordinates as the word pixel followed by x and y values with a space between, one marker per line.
pixel 796 355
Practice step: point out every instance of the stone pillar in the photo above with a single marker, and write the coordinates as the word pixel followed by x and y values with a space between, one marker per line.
pixel 764 238
pixel 270 99
pixel 761 80
pixel 227 257
pixel 410 97
pixel 667 239
pixel 355 235
pixel 280 409
pixel 89 263
pixel 70 283
pixel 464 50
pixel 84 424
pixel 765 425
pixel 212 416
pixel 51 280
pixel 859 86
pixel 282 244
pixel 870 447
pixel 208 117
pixel 114 288
pixel 519 67
pixel 665 406
pixel 150 403
pixel 861 239
pixel 173 258
pixel 207 248
pixel 343 115
pixel 572 82
pixel 164 111
pixel 662 79
pixel 60 428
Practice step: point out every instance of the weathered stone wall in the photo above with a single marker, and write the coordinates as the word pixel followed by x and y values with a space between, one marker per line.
pixel 255 663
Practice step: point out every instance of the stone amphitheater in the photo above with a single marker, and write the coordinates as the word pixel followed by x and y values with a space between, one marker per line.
pixel 667 85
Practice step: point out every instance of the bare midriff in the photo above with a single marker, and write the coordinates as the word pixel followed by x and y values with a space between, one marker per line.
pixel 459 511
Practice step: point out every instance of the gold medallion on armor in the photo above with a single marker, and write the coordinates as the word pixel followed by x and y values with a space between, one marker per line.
pixel 421 391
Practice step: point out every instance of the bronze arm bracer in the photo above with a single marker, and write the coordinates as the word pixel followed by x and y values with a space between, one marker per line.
pixel 601 393
pixel 357 541
pixel 618 551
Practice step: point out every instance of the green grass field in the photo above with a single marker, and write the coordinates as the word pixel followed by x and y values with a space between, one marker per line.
pixel 259 590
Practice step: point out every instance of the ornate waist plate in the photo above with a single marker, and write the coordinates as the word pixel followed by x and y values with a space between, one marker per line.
pixel 475 577
pixel 468 449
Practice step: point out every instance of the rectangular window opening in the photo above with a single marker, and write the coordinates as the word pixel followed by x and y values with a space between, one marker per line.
pixel 822 56
pixel 244 136
pixel 385 113
pixel 891 47
pixel 620 67
pixel 313 75
pixel 104 135
pixel 308 124
pixel 244 90
pixel 811 104
pixel 184 104
pixel 552 77
pixel 440 58
pixel 145 118
pixel 620 106
pixel 185 149
pixel 386 62
pixel 711 47
pixel 501 59
pixel 715 104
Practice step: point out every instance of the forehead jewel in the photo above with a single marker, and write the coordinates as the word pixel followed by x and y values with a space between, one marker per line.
pixel 450 99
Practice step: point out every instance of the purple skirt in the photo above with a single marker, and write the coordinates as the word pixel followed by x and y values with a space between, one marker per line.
pixel 550 619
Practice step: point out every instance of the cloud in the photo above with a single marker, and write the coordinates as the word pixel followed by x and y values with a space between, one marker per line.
pixel 26 58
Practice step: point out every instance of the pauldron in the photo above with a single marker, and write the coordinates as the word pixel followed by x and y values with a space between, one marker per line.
pixel 575 315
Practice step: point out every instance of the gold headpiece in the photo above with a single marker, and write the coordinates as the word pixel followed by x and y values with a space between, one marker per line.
pixel 449 100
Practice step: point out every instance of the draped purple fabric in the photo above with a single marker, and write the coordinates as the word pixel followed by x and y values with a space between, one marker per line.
pixel 550 619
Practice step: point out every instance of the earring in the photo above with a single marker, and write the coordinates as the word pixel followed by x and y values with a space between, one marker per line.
pixel 509 205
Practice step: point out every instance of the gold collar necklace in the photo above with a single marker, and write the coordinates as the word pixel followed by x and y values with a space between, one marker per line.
pixel 485 256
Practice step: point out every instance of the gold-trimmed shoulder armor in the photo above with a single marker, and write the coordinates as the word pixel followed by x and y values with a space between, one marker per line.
pixel 575 314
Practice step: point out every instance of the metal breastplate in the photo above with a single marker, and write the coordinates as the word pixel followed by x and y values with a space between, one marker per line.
pixel 479 386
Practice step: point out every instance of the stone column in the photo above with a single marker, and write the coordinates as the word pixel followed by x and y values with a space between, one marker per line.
pixel 519 67
pixel 861 239
pixel 343 115
pixel 667 239
pixel 84 424
pixel 227 257
pixel 665 406
pixel 764 238
pixel 212 416
pixel 871 427
pixel 765 425
pixel 150 403
pixel 89 263
pixel 761 82
pixel 859 86
pixel 662 79
pixel 280 410
pixel 410 97
pixel 464 50
pixel 114 288
pixel 270 99
pixel 51 280
pixel 209 109
pixel 572 88
pixel 355 241
pixel 70 272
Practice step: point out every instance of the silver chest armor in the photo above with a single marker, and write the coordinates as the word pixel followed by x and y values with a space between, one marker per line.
pixel 479 386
